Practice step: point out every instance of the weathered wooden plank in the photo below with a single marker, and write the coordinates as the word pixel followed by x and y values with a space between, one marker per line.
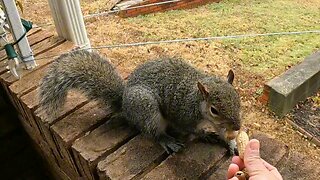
pixel 44 45
pixel 125 4
pixel 131 160
pixel 28 128
pixel 58 173
pixel 30 101
pixel 110 4
pixel 74 101
pixel 75 125
pixel 52 42
pixel 89 149
pixel 3 65
pixel 31 81
pixel 33 39
pixel 38 37
pixel 39 48
pixel 221 172
pixel 47 153
pixel 27 117
pixel 194 162
pixel 32 33
pixel 26 83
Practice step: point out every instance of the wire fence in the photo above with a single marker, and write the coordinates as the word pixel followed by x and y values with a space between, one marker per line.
pixel 212 38
pixel 135 44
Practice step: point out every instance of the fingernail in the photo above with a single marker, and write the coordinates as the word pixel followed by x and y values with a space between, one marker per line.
pixel 254 145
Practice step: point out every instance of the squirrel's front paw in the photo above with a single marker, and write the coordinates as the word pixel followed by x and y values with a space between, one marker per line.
pixel 170 145
pixel 233 150
pixel 210 137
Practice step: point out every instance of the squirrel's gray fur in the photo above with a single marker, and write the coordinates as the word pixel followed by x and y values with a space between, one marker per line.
pixel 159 95
pixel 87 72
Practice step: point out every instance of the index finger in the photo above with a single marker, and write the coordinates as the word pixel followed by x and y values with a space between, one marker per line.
pixel 238 161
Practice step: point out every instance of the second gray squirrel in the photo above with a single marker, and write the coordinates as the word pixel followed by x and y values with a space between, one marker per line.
pixel 160 96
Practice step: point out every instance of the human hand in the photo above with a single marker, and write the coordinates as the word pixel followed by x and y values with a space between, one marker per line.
pixel 257 168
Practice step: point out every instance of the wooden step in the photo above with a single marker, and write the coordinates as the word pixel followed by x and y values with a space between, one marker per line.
pixel 23 94
pixel 131 160
pixel 193 163
pixel 98 144
pixel 75 125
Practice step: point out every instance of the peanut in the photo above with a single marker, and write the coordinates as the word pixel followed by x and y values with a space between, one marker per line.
pixel 242 140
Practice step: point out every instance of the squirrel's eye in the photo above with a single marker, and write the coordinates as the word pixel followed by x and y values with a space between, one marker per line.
pixel 213 110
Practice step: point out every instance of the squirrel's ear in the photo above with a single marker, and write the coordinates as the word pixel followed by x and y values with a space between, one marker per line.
pixel 230 76
pixel 204 90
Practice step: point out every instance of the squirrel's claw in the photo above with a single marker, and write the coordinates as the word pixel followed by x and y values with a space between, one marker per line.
pixel 212 138
pixel 170 145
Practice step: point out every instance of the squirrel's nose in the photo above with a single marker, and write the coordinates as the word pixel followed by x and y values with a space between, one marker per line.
pixel 236 126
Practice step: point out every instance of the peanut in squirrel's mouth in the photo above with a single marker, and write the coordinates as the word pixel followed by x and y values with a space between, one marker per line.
pixel 230 134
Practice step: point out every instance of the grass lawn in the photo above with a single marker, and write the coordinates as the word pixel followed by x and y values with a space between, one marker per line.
pixel 267 56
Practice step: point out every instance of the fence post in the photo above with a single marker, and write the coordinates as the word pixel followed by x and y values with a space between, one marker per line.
pixel 18 30
pixel 68 19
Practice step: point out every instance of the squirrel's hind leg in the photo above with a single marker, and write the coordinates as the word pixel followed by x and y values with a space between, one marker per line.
pixel 142 110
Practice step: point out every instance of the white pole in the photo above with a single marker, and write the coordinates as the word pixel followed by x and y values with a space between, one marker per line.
pixel 55 13
pixel 68 19
pixel 3 34
pixel 18 30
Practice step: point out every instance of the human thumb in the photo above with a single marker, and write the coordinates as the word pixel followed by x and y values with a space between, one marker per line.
pixel 252 161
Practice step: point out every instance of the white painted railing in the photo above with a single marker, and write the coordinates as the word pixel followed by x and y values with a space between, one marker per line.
pixel 68 20
pixel 17 30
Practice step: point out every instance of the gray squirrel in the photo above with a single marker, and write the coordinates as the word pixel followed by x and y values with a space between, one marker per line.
pixel 161 97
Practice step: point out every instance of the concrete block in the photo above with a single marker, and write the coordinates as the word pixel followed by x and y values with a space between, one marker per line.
pixel 296 84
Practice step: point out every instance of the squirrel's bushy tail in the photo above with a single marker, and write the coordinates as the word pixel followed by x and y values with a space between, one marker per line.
pixel 82 70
